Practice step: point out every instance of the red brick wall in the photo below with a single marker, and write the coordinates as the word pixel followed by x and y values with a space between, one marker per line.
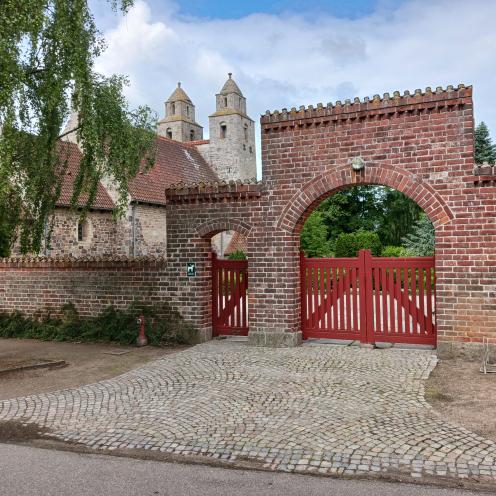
pixel 92 285
pixel 420 144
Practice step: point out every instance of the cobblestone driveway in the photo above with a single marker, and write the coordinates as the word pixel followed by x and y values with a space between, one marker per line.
pixel 315 408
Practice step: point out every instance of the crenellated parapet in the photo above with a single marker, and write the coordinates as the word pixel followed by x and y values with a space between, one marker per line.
pixel 388 104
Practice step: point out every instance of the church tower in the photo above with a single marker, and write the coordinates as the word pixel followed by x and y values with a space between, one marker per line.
pixel 232 135
pixel 179 122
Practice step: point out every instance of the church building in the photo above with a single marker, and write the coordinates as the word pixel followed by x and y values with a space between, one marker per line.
pixel 182 156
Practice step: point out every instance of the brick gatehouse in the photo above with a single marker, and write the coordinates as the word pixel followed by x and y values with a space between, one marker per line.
pixel 420 144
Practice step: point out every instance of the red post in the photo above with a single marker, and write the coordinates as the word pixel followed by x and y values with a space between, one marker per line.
pixel 215 292
pixel 303 293
pixel 366 308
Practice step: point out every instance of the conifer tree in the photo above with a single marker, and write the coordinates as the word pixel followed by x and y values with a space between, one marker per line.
pixel 485 150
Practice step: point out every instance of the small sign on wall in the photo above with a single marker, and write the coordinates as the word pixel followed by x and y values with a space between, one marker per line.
pixel 191 269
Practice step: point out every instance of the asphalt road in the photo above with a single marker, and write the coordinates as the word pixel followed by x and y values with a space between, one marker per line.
pixel 33 471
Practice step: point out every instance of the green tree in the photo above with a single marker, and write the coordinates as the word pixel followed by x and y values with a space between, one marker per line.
pixel 421 241
pixel 47 54
pixel 313 239
pixel 349 244
pixel 484 149
pixel 399 214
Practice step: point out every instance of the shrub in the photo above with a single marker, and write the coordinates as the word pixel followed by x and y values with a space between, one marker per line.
pixel 393 251
pixel 162 326
pixel 349 244
pixel 237 255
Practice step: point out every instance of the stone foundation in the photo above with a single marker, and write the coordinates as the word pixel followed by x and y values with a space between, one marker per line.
pixel 274 339
pixel 467 351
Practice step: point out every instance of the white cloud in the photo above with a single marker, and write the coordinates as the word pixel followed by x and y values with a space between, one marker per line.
pixel 290 60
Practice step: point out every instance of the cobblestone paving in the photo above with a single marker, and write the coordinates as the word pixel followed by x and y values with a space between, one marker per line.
pixel 323 409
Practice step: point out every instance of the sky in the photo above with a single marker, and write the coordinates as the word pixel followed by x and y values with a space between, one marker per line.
pixel 286 53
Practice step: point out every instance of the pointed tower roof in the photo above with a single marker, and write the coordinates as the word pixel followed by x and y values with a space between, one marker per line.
pixel 179 94
pixel 230 86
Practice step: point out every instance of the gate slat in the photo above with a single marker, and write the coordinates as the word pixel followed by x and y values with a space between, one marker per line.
pixel 429 300
pixel 414 300
pixel 384 302
pixel 421 301
pixel 377 285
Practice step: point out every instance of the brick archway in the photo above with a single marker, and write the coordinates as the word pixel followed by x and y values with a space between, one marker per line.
pixel 420 144
pixel 318 189
pixel 214 226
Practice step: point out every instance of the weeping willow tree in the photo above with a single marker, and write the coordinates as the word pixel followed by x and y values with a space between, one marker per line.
pixel 47 54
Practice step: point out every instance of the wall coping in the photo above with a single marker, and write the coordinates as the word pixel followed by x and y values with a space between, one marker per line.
pixel 67 262
pixel 388 104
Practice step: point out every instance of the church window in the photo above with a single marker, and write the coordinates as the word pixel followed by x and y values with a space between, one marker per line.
pixel 251 149
pixel 169 133
pixel 173 109
pixel 187 111
pixel 245 129
pixel 244 147
pixel 82 230
pixel 225 101
pixel 192 135
pixel 223 130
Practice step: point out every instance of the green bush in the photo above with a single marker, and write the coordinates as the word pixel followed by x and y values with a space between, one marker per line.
pixel 162 326
pixel 349 244
pixel 237 255
pixel 393 251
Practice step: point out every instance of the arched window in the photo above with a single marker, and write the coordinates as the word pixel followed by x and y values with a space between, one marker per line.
pixel 245 130
pixel 169 133
pixel 223 130
pixel 173 108
pixel 187 111
pixel 83 229
pixel 225 101
pixel 192 135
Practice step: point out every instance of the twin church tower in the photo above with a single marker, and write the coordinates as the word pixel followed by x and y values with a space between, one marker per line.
pixel 230 150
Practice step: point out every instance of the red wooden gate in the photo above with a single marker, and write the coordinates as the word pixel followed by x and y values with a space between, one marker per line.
pixel 229 297
pixel 369 299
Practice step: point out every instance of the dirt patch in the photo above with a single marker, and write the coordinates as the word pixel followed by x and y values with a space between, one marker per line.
pixel 458 391
pixel 86 363
pixel 13 431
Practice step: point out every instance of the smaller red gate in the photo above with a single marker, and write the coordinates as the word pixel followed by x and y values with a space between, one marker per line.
pixel 229 297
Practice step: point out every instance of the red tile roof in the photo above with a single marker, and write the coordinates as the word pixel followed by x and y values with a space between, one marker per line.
pixel 175 162
pixel 71 152
pixel 237 243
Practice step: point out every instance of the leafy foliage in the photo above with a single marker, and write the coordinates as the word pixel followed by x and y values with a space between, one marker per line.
pixel 485 150
pixel 379 209
pixel 112 325
pixel 421 241
pixel 349 244
pixel 237 255
pixel 314 242
pixel 47 54
pixel 393 251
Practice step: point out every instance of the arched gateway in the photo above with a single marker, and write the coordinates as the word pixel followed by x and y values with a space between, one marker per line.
pixel 420 144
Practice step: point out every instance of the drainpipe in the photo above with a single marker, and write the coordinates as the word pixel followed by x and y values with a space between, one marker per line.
pixel 133 228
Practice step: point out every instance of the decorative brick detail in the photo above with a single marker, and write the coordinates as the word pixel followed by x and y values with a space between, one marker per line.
pixel 214 191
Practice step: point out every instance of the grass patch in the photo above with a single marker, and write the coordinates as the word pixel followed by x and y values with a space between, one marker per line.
pixel 433 394
pixel 162 326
